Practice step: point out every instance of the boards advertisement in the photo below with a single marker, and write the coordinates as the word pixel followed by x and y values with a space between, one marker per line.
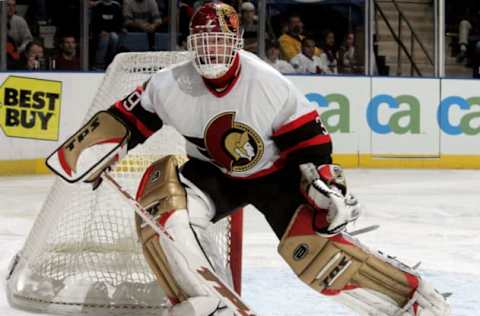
pixel 30 107
pixel 374 122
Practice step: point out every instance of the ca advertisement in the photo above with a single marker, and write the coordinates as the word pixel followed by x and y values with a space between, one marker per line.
pixel 398 117
pixel 402 119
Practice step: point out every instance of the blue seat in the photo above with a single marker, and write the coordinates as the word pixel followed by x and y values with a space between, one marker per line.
pixel 162 41
pixel 135 41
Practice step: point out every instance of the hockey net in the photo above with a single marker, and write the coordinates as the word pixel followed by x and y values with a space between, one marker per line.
pixel 82 254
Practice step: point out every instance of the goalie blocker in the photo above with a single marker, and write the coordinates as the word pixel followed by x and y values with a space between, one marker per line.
pixel 97 145
pixel 366 281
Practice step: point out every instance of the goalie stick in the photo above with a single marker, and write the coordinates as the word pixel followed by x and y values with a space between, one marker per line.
pixel 364 230
pixel 205 275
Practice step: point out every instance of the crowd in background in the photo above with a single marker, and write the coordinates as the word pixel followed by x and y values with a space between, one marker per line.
pixel 463 26
pixel 44 35
pixel 41 38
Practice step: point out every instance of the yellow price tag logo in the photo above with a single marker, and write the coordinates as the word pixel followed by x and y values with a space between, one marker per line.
pixel 30 108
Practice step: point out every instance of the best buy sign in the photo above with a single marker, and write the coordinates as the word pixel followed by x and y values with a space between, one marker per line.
pixel 30 108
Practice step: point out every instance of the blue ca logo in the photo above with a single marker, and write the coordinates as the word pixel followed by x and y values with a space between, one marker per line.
pixel 335 119
pixel 464 124
pixel 396 122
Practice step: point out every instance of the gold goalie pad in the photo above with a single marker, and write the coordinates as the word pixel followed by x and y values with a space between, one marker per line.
pixel 339 263
pixel 161 193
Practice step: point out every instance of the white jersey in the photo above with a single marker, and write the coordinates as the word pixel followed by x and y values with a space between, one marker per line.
pixel 281 65
pixel 240 130
pixel 303 64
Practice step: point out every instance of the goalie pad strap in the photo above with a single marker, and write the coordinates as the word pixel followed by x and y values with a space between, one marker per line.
pixel 161 193
pixel 331 265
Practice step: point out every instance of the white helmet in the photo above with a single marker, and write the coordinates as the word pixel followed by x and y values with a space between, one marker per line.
pixel 214 39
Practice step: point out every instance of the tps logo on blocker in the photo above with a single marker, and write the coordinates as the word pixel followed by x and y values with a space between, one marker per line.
pixel 30 108
pixel 336 116
pixel 456 116
pixel 399 115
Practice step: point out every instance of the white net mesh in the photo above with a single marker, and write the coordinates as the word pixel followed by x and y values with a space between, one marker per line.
pixel 82 254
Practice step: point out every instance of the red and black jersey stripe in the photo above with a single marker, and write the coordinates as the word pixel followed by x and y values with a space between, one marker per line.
pixel 141 123
pixel 304 140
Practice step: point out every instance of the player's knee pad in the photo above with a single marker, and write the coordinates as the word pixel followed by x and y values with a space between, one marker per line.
pixel 366 281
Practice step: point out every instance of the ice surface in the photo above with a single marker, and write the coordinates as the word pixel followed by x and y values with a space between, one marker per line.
pixel 432 216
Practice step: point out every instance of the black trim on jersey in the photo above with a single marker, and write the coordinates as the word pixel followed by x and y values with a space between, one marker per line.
pixel 317 154
pixel 151 120
pixel 136 136
pixel 199 142
pixel 302 133
pixel 148 119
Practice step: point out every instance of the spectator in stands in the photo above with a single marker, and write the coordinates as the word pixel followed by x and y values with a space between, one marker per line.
pixel 306 61
pixel 291 41
pixel 142 16
pixel 17 27
pixel 185 13
pixel 40 8
pixel 273 54
pixel 107 23
pixel 348 56
pixel 468 39
pixel 67 59
pixel 13 55
pixel 37 14
pixel 329 55
pixel 33 57
pixel 464 28
pixel 476 63
pixel 66 16
pixel 248 24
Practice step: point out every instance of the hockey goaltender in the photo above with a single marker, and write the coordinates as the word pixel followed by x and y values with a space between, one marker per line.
pixel 252 138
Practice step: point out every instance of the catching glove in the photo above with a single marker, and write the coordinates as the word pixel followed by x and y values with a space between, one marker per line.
pixel 325 190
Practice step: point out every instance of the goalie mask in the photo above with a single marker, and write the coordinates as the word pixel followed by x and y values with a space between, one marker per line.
pixel 214 39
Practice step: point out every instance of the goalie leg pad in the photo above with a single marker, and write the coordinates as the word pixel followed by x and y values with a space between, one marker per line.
pixel 160 189
pixel 339 265
pixel 166 198
pixel 161 193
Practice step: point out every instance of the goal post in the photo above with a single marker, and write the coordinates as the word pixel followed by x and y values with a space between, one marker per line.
pixel 83 254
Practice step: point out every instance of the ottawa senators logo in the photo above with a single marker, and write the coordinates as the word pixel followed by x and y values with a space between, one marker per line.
pixel 232 145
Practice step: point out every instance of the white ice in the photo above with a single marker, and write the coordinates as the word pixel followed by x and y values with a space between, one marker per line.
pixel 432 216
